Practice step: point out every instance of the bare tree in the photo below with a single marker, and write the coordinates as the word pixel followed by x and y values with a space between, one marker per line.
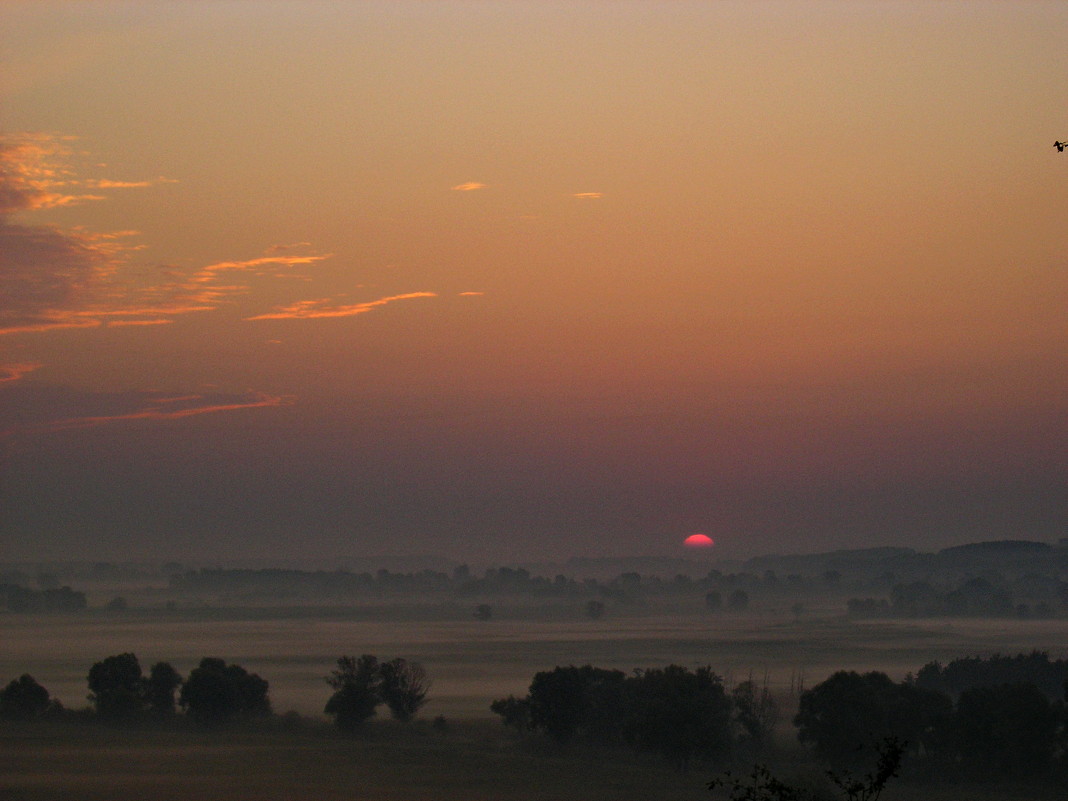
pixel 404 687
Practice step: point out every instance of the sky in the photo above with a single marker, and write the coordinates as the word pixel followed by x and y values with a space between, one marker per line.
pixel 506 280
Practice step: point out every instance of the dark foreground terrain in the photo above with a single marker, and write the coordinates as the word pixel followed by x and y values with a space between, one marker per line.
pixel 49 761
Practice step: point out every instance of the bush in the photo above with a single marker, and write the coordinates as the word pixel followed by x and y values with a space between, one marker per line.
pixel 23 699
pixel 116 687
pixel 1005 731
pixel 216 693
pixel 356 691
pixel 850 712
pixel 672 711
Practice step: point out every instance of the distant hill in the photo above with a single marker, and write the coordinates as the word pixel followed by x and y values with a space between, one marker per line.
pixel 830 560
pixel 997 547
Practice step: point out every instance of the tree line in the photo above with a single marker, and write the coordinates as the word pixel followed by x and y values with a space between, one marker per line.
pixel 673 711
pixel 998 725
pixel 992 718
pixel 216 693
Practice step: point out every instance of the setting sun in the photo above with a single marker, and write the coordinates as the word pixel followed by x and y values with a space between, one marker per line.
pixel 698 541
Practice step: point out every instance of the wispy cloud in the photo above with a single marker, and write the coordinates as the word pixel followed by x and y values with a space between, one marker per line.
pixel 54 279
pixel 46 275
pixel 104 183
pixel 588 195
pixel 171 409
pixel 471 294
pixel 43 409
pixel 470 186
pixel 328 307
pixel 33 174
pixel 274 250
pixel 13 372
pixel 121 323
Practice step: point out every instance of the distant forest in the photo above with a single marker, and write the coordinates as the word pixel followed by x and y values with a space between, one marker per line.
pixel 1000 579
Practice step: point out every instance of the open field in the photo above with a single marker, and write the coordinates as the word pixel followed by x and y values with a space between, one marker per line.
pixel 473 761
pixel 473 662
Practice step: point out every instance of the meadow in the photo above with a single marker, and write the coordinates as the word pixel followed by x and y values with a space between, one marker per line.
pixel 471 663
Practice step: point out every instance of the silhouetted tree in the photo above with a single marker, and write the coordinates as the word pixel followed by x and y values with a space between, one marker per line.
pixel 755 713
pixel 594 610
pixel 713 600
pixel 23 698
pixel 162 682
pixel 672 711
pixel 1005 731
pixel 483 612
pixel 974 671
pixel 738 600
pixel 216 693
pixel 356 691
pixel 61 599
pixel 850 712
pixel 679 713
pixel 567 700
pixel 116 687
pixel 403 687
pixel 515 712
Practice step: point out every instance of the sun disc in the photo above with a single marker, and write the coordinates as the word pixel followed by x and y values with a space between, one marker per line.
pixel 698 541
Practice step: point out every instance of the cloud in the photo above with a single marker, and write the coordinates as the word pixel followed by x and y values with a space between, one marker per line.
pixel 33 175
pixel 470 186
pixel 274 250
pixel 121 323
pixel 471 294
pixel 588 195
pixel 13 372
pixel 34 409
pixel 47 274
pixel 104 183
pixel 318 309
pixel 54 279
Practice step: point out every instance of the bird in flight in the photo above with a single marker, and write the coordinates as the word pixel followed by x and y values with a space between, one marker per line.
pixel 1060 146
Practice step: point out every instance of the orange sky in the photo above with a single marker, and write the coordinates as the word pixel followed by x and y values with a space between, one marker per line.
pixel 507 279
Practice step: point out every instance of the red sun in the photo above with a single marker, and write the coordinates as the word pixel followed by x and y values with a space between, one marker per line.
pixel 698 541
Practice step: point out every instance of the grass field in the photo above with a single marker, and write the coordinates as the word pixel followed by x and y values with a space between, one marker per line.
pixel 471 663
pixel 472 761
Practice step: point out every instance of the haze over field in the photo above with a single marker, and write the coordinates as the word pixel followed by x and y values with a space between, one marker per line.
pixel 530 279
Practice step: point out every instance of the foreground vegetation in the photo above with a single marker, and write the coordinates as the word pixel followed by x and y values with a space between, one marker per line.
pixel 207 729
pixel 468 761
pixel 861 730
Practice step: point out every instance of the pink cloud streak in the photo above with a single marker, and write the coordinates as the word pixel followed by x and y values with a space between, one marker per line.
pixel 319 309
pixel 153 412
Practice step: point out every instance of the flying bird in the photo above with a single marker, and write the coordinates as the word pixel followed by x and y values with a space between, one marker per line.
pixel 1060 146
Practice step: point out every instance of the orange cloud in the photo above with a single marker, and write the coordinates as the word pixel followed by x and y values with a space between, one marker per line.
pixel 33 174
pixel 164 408
pixel 471 294
pixel 588 195
pixel 121 323
pixel 470 186
pixel 13 372
pixel 275 249
pixel 318 309
pixel 104 183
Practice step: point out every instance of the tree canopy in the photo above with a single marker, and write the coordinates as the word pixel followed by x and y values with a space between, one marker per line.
pixel 216 693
